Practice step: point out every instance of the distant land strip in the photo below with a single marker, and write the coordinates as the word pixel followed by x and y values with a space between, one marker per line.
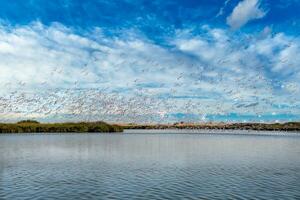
pixel 289 126
pixel 30 126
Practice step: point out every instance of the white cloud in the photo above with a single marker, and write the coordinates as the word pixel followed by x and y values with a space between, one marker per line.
pixel 51 72
pixel 244 12
pixel 221 11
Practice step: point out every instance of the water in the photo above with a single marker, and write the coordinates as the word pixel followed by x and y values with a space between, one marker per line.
pixel 149 166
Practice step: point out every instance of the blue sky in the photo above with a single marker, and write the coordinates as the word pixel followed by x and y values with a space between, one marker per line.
pixel 150 61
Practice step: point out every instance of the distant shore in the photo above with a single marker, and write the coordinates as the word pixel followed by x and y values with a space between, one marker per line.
pixel 29 126
pixel 289 126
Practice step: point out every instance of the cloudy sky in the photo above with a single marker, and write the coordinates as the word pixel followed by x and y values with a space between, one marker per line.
pixel 150 61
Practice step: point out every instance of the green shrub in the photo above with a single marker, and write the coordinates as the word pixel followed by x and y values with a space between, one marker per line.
pixel 29 126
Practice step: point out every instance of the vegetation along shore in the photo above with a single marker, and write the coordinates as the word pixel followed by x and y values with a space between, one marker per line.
pixel 289 126
pixel 29 126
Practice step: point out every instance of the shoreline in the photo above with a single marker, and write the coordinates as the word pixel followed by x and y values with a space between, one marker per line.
pixel 212 132
pixel 208 132
pixel 29 126
pixel 284 127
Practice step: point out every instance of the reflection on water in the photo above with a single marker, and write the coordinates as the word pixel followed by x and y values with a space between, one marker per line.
pixel 149 166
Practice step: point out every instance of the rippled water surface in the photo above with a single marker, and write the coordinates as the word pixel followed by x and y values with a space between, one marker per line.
pixel 149 166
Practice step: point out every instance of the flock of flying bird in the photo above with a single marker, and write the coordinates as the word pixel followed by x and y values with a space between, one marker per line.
pixel 184 94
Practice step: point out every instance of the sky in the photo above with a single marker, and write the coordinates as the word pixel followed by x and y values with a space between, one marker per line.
pixel 158 61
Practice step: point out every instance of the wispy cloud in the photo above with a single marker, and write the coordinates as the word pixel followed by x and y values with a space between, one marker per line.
pixel 56 72
pixel 221 11
pixel 244 12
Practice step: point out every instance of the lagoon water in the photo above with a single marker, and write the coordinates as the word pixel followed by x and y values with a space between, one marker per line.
pixel 149 165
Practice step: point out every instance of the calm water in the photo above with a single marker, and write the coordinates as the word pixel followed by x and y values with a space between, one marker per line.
pixel 149 166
